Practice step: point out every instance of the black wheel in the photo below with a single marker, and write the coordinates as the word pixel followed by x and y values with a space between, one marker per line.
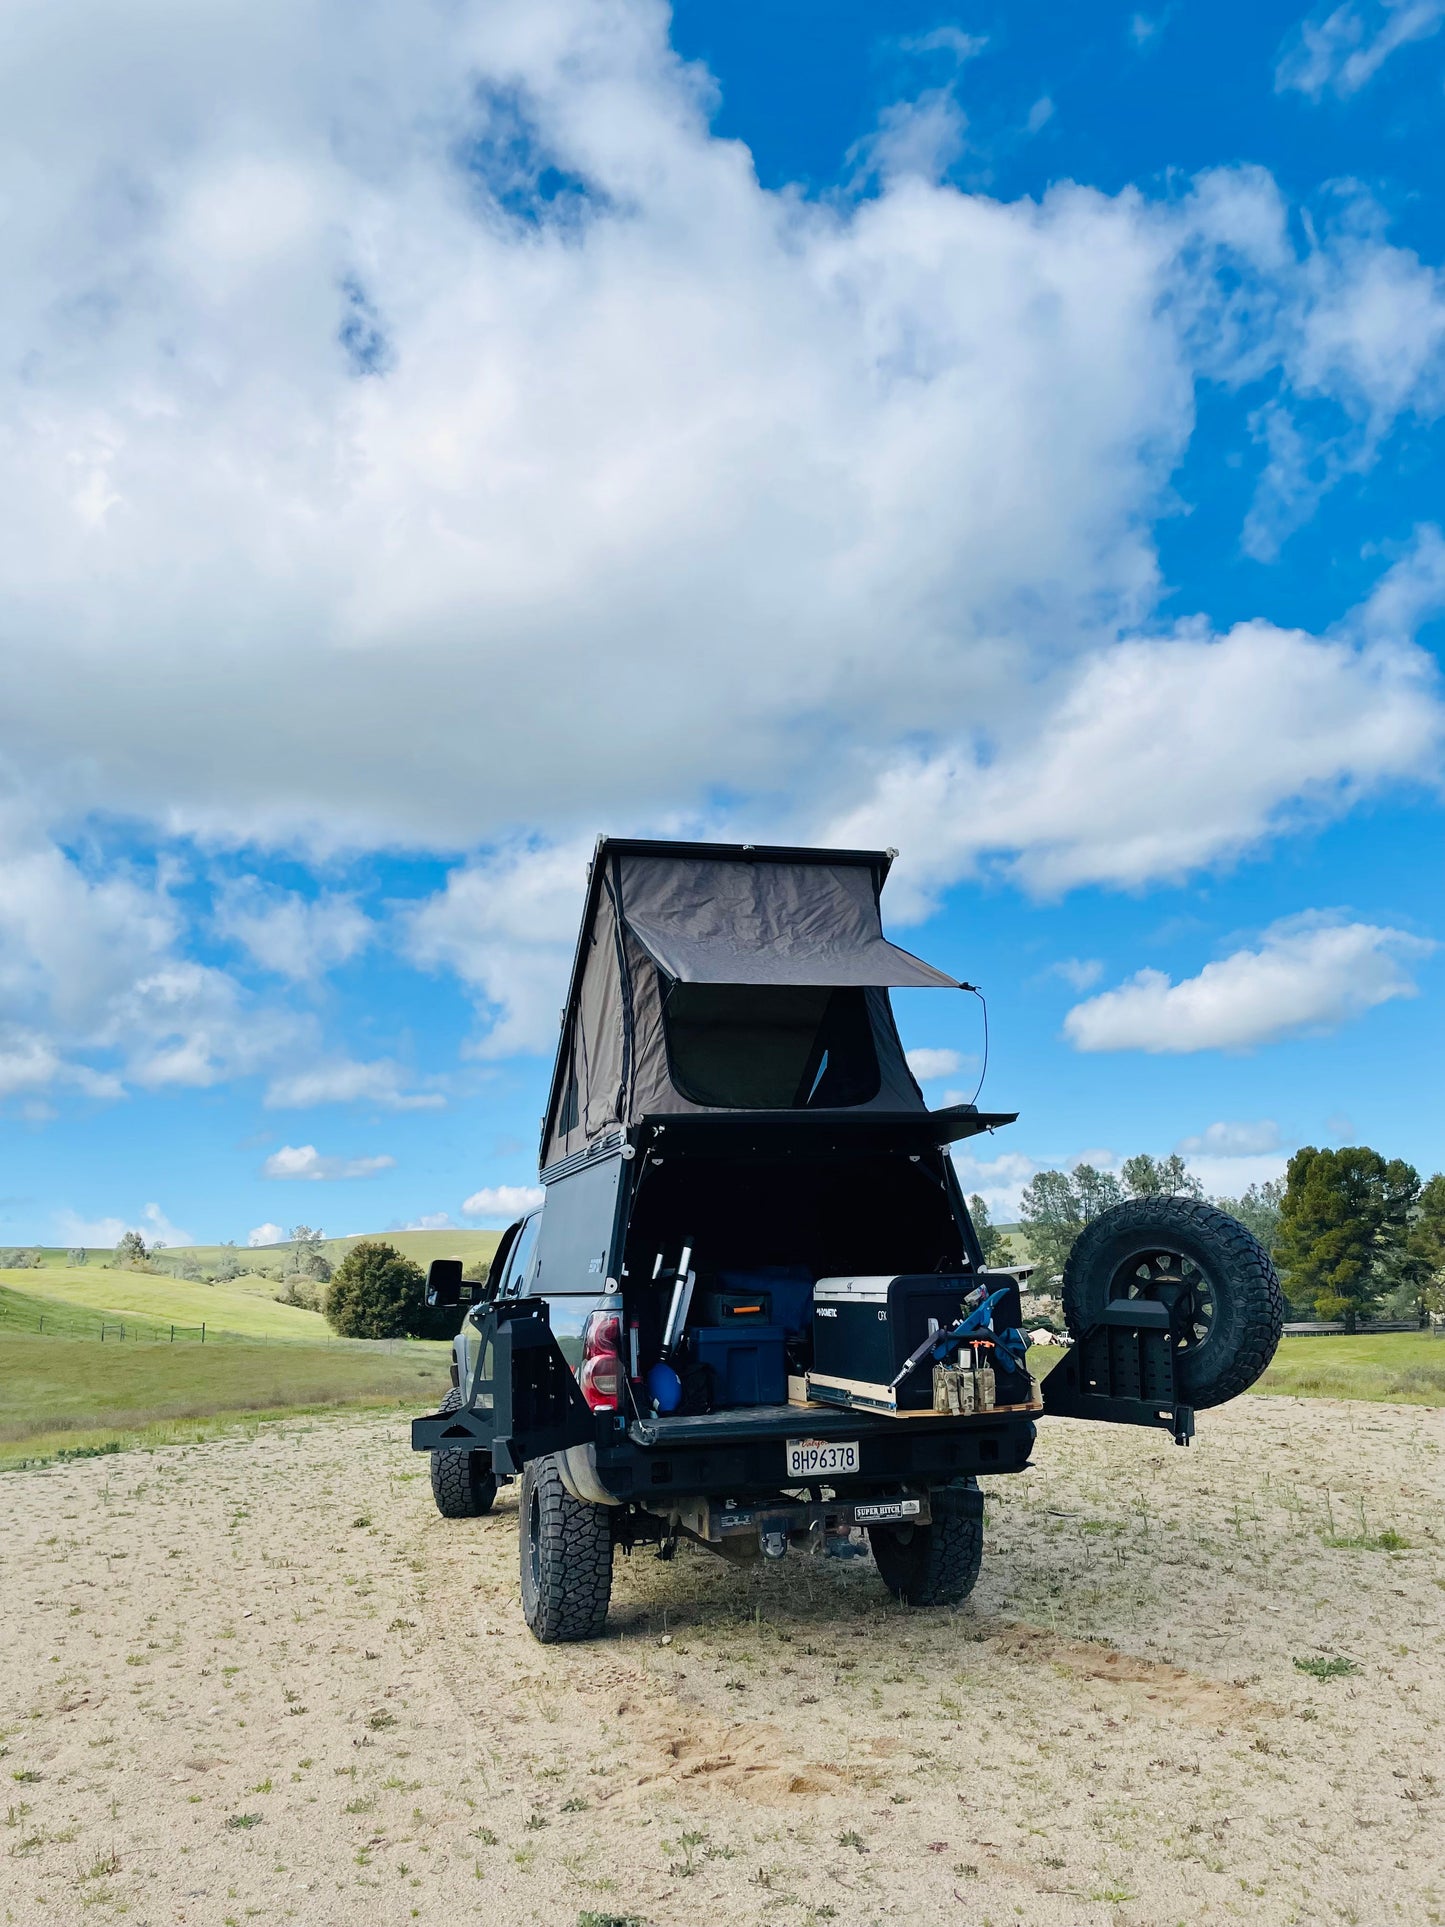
pixel 566 1552
pixel 936 1564
pixel 1226 1307
pixel 462 1483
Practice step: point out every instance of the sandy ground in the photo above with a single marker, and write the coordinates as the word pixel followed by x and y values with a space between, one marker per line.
pixel 263 1681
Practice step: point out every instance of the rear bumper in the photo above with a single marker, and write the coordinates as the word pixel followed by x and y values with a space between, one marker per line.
pixel 741 1453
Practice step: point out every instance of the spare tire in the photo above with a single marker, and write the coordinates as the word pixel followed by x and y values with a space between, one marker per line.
pixel 1226 1307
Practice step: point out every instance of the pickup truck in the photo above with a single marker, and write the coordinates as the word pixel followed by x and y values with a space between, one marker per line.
pixel 752 1311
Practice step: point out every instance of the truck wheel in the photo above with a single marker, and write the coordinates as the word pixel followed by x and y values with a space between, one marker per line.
pixel 936 1564
pixel 1226 1307
pixel 566 1549
pixel 462 1483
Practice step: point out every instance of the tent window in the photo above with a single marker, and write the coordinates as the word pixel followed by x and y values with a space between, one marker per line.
pixel 770 1047
pixel 568 1120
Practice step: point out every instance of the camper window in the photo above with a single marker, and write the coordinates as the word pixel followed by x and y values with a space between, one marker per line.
pixel 770 1047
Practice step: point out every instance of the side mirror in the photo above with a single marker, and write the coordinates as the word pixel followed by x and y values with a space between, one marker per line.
pixel 444 1282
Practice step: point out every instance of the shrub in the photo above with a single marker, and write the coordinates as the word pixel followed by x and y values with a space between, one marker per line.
pixel 377 1293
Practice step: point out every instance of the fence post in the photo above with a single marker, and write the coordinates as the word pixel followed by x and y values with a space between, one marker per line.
pixel 102 1331
pixel 203 1331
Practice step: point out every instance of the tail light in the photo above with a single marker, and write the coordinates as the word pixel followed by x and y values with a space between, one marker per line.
pixel 600 1376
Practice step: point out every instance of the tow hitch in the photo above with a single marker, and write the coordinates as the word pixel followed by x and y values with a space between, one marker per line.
pixel 774 1527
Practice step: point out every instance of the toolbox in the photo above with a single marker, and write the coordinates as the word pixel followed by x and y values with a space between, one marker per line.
pixel 866 1329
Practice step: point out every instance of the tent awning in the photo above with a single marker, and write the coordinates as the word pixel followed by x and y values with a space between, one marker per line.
pixel 703 921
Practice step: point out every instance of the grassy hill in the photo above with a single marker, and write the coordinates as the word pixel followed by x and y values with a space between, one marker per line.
pixel 422 1246
pixel 156 1300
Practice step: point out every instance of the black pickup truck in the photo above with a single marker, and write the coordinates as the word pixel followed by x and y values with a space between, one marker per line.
pixel 752 1311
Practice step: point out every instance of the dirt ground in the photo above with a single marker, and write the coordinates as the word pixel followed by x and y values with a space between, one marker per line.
pixel 262 1680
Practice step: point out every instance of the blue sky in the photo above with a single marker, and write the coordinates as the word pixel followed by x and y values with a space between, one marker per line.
pixel 437 435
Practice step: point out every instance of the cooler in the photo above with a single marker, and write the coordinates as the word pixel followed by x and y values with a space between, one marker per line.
pixel 866 1329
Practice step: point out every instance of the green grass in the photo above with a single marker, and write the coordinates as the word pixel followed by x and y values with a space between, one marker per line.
pixel 1335 1668
pixel 1406 1368
pixel 60 1394
pixel 142 1296
pixel 1403 1367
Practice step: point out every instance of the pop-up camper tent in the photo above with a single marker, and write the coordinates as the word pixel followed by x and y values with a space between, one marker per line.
pixel 713 978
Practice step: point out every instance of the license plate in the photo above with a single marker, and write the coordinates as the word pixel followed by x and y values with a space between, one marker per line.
pixel 821 1458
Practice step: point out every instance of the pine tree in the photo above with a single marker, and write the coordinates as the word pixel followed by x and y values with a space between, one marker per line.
pixel 1345 1217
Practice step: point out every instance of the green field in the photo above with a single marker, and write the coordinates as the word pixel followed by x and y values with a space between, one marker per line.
pixel 61 1394
pixel 1406 1368
pixel 161 1300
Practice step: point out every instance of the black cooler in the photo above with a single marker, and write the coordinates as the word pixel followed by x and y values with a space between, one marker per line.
pixel 866 1329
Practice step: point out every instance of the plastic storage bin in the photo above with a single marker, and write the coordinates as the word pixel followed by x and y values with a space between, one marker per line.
pixel 745 1363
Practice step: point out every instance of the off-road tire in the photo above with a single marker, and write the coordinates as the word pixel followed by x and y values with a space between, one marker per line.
pixel 936 1564
pixel 566 1557
pixel 462 1483
pixel 1248 1311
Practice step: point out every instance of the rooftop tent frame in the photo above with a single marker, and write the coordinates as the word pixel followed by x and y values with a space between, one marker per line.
pixel 796 932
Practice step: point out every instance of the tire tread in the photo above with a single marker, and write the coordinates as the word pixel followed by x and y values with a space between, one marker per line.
pixel 1241 1261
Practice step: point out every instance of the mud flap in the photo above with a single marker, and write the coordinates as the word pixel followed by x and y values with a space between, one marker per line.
pixel 1122 1372
pixel 523 1401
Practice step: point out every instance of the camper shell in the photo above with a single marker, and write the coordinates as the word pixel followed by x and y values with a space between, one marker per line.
pixel 732 1128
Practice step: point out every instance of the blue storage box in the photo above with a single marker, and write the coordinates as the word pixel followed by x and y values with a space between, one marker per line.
pixel 746 1363
pixel 789 1288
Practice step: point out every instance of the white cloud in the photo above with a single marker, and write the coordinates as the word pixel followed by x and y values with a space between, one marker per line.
pixel 306 404
pixel 501 1203
pixel 95 993
pixel 1232 1140
pixel 152 1224
pixel 928 1064
pixel 306 1162
pixel 429 1221
pixel 1080 973
pixel 1230 740
pixel 1340 51
pixel 1143 31
pixel 297 937
pixel 265 1234
pixel 999 1181
pixel 507 927
pixel 1040 114
pixel 1308 974
pixel 346 1081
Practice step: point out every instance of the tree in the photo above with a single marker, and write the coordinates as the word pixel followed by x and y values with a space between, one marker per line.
pixel 1055 1207
pixel 228 1265
pixel 1342 1223
pixel 1415 1269
pixel 79 1256
pixel 1427 1235
pixel 307 1257
pixel 1258 1210
pixel 1151 1177
pixel 377 1293
pixel 131 1250
pixel 991 1239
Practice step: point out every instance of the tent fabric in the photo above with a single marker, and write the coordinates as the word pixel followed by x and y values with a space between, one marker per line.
pixel 659 920
pixel 705 921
